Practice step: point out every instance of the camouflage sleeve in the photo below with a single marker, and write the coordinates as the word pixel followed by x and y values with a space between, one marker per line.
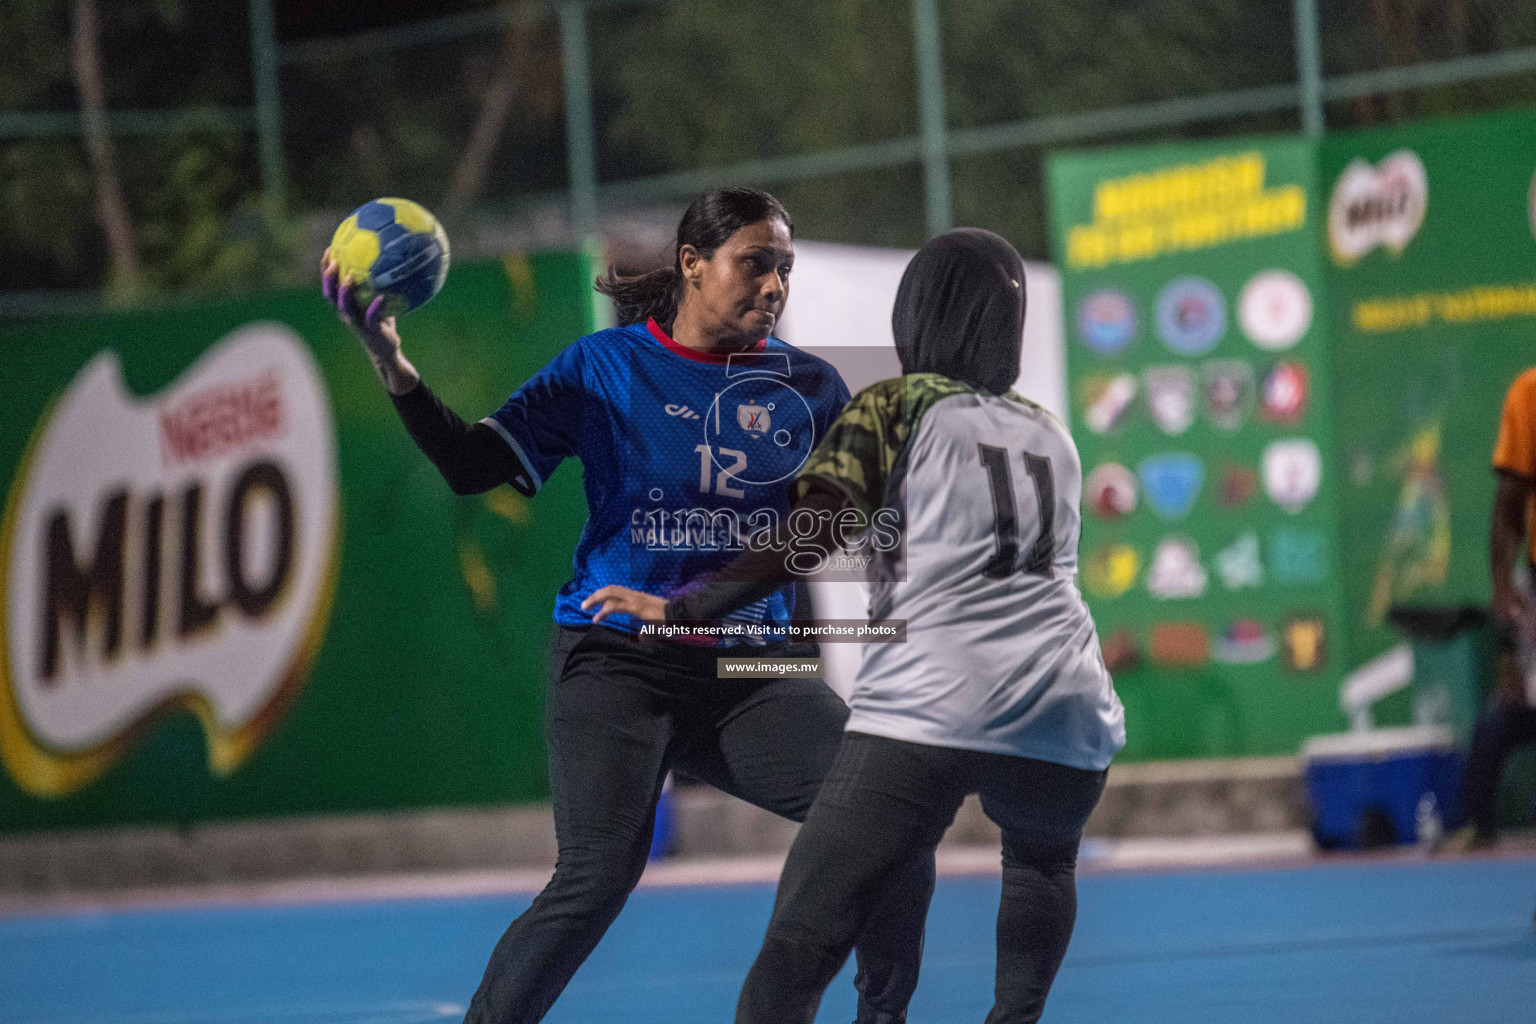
pixel 859 450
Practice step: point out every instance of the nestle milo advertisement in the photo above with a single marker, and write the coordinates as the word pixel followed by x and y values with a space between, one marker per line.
pixel 233 587
pixel 1431 261
pixel 1200 398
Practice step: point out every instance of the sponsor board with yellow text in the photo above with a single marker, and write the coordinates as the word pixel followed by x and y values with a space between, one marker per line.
pixel 1222 411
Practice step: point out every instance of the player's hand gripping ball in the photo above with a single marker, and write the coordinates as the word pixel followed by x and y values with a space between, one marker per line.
pixel 393 248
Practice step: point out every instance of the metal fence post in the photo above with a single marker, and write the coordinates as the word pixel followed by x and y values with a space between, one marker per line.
pixel 579 142
pixel 930 94
pixel 1309 68
pixel 269 109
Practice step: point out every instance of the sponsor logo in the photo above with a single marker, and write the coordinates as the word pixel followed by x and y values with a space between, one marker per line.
pixel 1111 491
pixel 1180 645
pixel 768 440
pixel 754 419
pixel 1176 571
pixel 1292 473
pixel 1274 309
pixel 1298 556
pixel 1382 205
pixel 680 410
pixel 1119 651
pixel 1106 400
pixel 1236 485
pixel 1239 564
pixel 1170 397
pixel 1304 643
pixel 1191 316
pixel 1229 392
pixel 1415 551
pixel 1283 396
pixel 1111 570
pixel 1106 321
pixel 1171 483
pixel 170 552
pixel 1244 642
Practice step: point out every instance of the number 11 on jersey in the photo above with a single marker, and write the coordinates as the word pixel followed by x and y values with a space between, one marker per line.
pixel 1006 513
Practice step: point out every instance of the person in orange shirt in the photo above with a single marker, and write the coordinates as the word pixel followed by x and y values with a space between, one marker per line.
pixel 1509 721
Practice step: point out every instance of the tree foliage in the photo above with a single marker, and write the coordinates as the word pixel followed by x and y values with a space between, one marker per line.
pixel 679 85
pixel 194 199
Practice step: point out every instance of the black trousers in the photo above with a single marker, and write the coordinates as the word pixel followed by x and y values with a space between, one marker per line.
pixel 884 807
pixel 1501 728
pixel 620 714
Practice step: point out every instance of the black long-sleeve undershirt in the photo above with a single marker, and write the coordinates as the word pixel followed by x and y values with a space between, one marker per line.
pixel 754 574
pixel 471 457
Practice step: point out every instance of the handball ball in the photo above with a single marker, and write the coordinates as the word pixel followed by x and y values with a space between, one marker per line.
pixel 394 248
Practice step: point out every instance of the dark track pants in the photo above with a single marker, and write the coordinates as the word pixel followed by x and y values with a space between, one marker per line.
pixel 1502 728
pixel 620 714
pixel 884 807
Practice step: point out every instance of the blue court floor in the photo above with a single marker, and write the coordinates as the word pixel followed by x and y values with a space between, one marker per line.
pixel 1354 943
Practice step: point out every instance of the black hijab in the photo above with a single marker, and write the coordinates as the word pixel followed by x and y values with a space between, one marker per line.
pixel 960 310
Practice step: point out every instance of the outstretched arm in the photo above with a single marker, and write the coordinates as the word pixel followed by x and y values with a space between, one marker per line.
pixel 1506 536
pixel 848 470
pixel 1511 608
pixel 472 459
pixel 375 330
pixel 746 578
pixel 470 456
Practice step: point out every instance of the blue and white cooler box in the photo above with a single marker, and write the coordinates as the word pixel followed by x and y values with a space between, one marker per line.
pixel 1409 777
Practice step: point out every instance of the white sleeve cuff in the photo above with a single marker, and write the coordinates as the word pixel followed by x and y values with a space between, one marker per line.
pixel 517 449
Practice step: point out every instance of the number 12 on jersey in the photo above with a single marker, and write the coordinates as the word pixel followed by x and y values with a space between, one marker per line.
pixel 726 473
pixel 1006 513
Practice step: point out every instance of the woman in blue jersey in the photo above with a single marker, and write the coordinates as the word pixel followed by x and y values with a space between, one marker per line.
pixel 999 688
pixel 689 421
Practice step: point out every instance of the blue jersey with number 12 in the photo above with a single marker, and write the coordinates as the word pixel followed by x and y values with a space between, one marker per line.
pixel 684 454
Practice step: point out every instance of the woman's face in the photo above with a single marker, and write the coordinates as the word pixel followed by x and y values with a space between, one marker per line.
pixel 740 291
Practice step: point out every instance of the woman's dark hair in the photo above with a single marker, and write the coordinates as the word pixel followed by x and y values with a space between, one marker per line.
pixel 710 219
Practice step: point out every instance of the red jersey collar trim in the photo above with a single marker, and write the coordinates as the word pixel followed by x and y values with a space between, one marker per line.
pixel 694 354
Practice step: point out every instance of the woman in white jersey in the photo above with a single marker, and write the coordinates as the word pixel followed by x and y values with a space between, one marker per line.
pixel 999 689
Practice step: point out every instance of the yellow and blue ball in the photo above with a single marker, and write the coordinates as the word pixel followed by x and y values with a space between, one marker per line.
pixel 394 248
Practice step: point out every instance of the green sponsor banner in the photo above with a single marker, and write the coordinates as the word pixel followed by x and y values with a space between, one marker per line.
pixel 1432 272
pixel 1199 389
pixel 234 587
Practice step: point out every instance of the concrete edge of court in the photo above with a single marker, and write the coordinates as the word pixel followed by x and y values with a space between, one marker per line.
pixel 1287 850
pixel 1152 800
pixel 1176 800
pixel 954 860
